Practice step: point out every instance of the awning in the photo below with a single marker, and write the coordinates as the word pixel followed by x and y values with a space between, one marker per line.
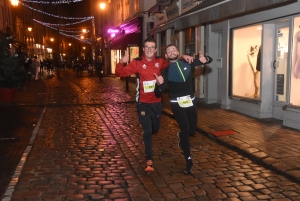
pixel 129 40
pixel 218 10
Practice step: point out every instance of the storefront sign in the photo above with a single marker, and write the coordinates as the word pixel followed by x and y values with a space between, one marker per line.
pixel 187 5
pixel 172 12
pixel 112 30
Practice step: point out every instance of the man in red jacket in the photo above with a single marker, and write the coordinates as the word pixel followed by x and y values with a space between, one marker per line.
pixel 148 71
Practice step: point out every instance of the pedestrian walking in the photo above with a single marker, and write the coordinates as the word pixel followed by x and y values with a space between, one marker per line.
pixel 149 107
pixel 35 68
pixel 178 78
pixel 99 68
pixel 27 67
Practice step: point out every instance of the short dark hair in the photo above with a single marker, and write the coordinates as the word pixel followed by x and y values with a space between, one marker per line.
pixel 150 40
pixel 170 45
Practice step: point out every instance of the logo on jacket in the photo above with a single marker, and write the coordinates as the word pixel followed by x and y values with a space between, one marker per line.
pixel 144 66
pixel 184 68
pixel 156 64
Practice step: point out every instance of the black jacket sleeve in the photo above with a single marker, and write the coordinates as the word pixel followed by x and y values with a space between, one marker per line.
pixel 159 89
pixel 197 62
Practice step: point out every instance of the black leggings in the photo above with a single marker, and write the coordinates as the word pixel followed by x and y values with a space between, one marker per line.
pixel 187 119
pixel 149 116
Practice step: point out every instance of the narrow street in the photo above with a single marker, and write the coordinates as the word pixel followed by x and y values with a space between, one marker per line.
pixel 88 146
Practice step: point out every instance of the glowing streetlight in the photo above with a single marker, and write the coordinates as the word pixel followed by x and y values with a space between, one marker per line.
pixel 83 30
pixel 29 28
pixel 102 6
pixel 70 44
pixel 82 37
pixel 83 48
pixel 51 39
pixel 14 2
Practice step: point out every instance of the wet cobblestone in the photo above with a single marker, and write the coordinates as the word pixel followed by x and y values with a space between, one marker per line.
pixel 89 147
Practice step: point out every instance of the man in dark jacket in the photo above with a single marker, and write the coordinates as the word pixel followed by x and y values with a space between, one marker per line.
pixel 178 77
pixel 27 67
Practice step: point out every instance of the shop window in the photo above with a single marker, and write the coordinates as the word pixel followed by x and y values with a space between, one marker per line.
pixel 246 62
pixel 136 6
pixel 175 38
pixel 190 41
pixel 163 42
pixel 295 71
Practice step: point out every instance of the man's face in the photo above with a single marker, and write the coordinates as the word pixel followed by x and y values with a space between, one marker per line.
pixel 149 49
pixel 172 53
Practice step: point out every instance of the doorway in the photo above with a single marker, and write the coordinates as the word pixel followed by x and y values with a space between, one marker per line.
pixel 281 69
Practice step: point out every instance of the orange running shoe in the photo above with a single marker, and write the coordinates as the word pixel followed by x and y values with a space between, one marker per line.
pixel 149 166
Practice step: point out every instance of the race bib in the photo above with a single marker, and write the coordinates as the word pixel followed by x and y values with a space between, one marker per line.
pixel 185 101
pixel 149 86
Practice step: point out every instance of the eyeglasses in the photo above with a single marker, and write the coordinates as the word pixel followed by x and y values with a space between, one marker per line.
pixel 149 48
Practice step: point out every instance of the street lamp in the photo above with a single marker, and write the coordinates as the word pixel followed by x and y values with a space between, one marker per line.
pixel 102 6
pixel 14 2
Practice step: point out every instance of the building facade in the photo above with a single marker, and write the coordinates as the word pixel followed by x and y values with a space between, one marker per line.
pixel 254 44
pixel 125 27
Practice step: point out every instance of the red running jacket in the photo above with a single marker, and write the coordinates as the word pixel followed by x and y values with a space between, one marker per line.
pixel 144 71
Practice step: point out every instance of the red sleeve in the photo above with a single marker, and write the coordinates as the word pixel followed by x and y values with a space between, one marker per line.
pixel 165 64
pixel 124 71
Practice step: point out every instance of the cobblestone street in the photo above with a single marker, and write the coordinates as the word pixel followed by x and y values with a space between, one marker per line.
pixel 88 146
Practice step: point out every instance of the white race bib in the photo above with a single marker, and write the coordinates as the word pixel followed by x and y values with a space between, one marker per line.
pixel 149 86
pixel 185 101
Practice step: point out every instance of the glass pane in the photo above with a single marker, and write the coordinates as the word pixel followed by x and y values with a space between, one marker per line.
pixel 281 63
pixel 246 62
pixel 295 71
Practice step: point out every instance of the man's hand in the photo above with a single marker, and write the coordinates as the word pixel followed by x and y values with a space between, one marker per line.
pixel 202 57
pixel 159 79
pixel 125 58
pixel 188 58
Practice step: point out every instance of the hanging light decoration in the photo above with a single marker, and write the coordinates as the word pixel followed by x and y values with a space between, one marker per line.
pixel 57 16
pixel 52 2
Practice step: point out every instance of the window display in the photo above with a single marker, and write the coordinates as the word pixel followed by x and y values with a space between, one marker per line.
pixel 246 62
pixel 190 41
pixel 295 71
pixel 115 58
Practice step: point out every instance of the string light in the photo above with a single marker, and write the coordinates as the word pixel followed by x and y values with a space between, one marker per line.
pixel 57 16
pixel 57 25
pixel 68 35
pixel 53 2
pixel 77 31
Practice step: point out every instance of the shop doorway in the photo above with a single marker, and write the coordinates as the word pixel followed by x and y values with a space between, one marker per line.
pixel 219 66
pixel 281 70
pixel 116 56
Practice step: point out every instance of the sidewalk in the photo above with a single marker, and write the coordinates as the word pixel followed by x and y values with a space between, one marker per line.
pixel 263 140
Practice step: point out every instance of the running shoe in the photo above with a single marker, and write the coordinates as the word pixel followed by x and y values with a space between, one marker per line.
pixel 149 166
pixel 188 167
pixel 179 143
